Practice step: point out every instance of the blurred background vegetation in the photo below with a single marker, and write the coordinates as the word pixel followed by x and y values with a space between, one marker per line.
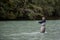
pixel 29 9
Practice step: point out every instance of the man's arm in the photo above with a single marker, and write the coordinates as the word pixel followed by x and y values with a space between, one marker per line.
pixel 43 21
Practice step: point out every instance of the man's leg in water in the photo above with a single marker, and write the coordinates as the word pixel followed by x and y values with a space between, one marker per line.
pixel 42 29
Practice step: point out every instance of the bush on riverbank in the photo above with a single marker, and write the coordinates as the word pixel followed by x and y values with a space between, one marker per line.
pixel 29 9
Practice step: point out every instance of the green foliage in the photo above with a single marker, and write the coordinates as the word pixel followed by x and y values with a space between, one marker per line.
pixel 28 9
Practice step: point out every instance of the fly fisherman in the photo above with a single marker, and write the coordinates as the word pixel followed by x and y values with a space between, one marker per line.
pixel 43 22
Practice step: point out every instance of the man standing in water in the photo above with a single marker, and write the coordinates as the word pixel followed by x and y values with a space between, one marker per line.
pixel 43 22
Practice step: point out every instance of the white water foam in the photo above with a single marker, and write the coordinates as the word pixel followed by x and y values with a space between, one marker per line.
pixel 29 36
pixel 32 33
pixel 25 33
